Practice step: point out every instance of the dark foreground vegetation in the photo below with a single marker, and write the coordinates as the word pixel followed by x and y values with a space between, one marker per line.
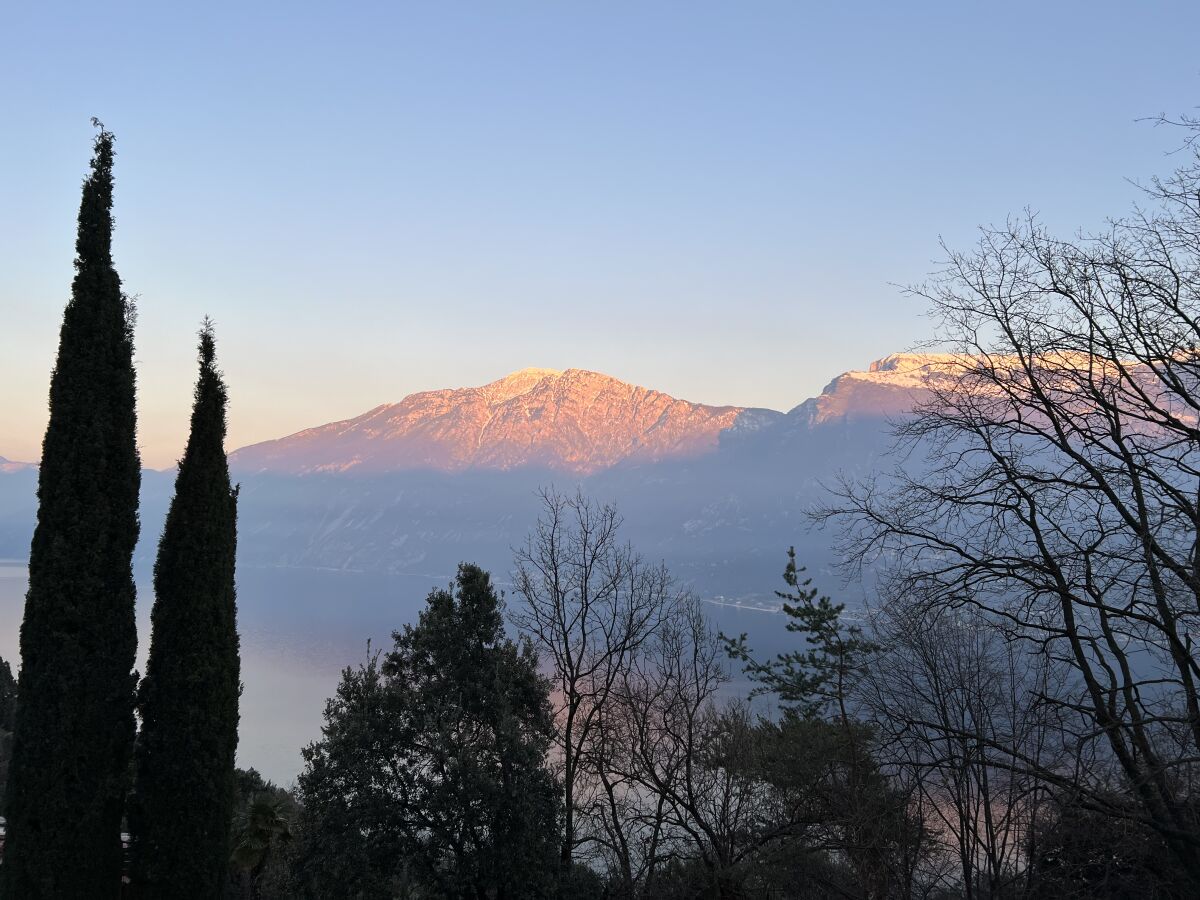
pixel 75 782
pixel 1015 715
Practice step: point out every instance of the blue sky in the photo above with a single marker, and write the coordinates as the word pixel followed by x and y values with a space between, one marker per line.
pixel 712 199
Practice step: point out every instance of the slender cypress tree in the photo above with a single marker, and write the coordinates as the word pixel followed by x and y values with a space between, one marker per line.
pixel 74 726
pixel 183 802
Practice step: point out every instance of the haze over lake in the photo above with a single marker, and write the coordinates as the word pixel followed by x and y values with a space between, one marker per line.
pixel 299 629
pixel 290 662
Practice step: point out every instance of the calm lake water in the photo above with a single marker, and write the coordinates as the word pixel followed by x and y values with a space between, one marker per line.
pixel 299 629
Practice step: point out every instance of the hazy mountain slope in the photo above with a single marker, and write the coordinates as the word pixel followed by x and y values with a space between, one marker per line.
pixel 8 466
pixel 18 509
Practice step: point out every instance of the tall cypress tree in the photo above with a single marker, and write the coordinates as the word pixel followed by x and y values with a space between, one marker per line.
pixel 183 802
pixel 74 725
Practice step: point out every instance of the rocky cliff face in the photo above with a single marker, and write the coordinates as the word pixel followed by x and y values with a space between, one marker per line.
pixel 889 388
pixel 575 421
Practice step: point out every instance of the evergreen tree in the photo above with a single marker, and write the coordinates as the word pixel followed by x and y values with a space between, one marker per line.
pixel 74 726
pixel 810 680
pixel 183 802
pixel 819 756
pixel 350 832
pixel 431 776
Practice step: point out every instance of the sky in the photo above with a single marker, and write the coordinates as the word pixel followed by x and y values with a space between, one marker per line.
pixel 716 200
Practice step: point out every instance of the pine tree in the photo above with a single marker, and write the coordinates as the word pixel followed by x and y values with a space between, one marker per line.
pixel 183 803
pixel 74 725
pixel 811 680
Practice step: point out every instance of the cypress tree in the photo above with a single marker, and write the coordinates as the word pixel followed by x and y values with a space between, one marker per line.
pixel 74 726
pixel 183 803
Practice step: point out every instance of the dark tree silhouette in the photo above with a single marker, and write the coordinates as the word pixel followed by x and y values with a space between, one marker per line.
pixel 183 802
pixel 74 726
pixel 589 603
pixel 1060 498
pixel 431 775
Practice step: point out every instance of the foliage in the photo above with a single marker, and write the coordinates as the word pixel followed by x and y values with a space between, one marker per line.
pixel 8 711
pixel 350 830
pixel 581 882
pixel 75 726
pixel 182 807
pixel 837 811
pixel 264 823
pixel 8 697
pixel 833 805
pixel 807 681
pixel 1085 853
pixel 431 777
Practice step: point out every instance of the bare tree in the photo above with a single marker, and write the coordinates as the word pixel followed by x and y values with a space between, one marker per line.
pixel 666 780
pixel 755 804
pixel 953 703
pixel 627 824
pixel 687 752
pixel 590 603
pixel 1063 495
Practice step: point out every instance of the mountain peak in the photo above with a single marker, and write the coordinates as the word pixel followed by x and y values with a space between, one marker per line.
pixel 574 420
pixel 908 362
pixel 889 387
pixel 531 372
pixel 514 384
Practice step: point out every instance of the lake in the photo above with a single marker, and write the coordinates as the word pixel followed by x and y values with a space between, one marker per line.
pixel 299 629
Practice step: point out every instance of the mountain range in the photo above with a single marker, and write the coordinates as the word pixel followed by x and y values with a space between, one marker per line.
pixel 572 421
pixel 719 492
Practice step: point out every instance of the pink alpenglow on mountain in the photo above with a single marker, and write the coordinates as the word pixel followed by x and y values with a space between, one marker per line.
pixel 890 388
pixel 575 421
